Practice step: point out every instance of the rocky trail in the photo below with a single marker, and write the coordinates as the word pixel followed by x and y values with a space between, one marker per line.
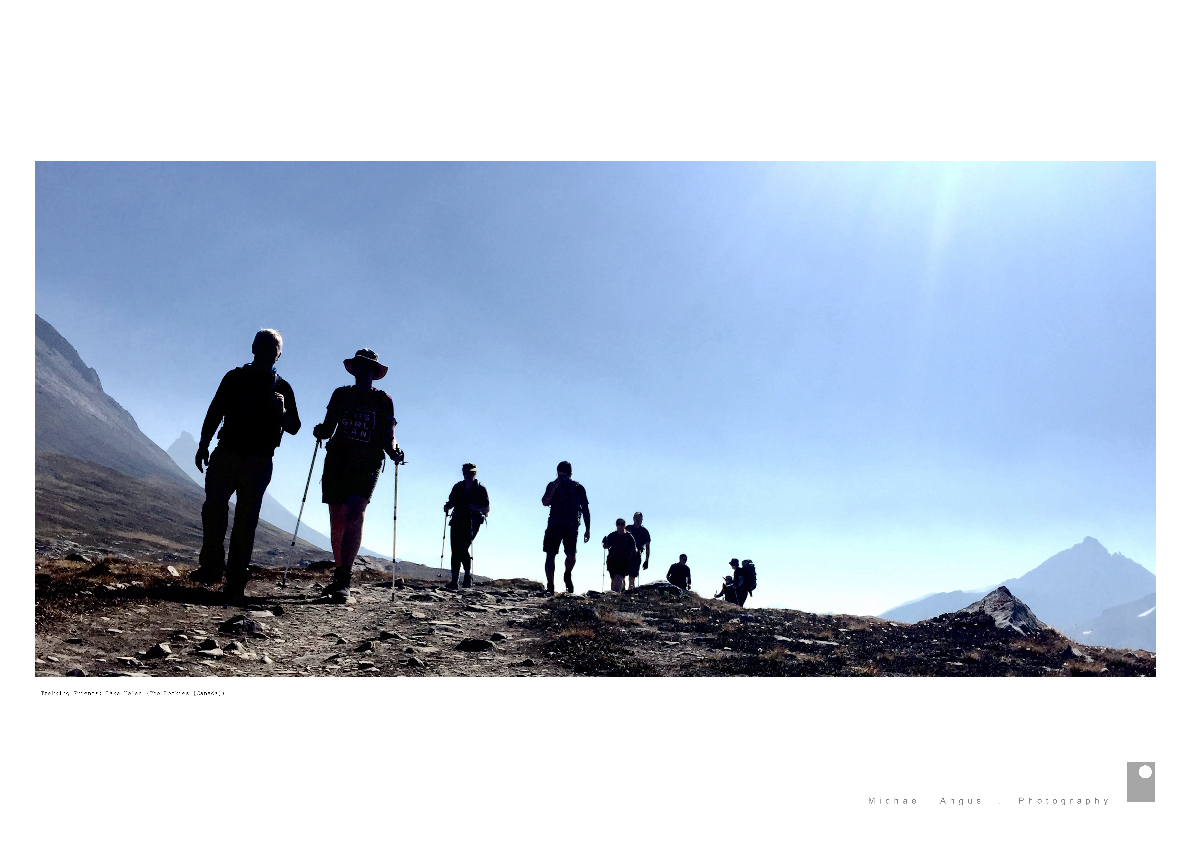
pixel 115 617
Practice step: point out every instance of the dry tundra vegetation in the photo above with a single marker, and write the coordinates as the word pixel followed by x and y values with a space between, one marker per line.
pixel 114 616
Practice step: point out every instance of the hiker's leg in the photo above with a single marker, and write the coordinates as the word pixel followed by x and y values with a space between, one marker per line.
pixel 253 475
pixel 356 508
pixel 337 526
pixel 460 552
pixel 550 570
pixel 568 564
pixel 219 486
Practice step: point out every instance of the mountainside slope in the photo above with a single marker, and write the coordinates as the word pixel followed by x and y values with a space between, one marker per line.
pixel 85 507
pixel 1131 625
pixel 74 416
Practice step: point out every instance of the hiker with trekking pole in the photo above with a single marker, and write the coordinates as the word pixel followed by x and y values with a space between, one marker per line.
pixel 257 407
pixel 642 537
pixel 568 502
pixel 469 500
pixel 622 551
pixel 360 426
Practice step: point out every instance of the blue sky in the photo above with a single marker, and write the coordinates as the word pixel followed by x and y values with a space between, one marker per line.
pixel 876 380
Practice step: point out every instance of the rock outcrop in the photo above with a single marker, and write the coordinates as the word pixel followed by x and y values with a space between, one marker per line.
pixel 1006 610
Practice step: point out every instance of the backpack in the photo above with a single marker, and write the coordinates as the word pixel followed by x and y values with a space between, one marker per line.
pixel 749 578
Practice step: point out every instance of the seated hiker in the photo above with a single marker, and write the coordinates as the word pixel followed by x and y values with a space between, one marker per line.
pixel 679 574
pixel 622 550
pixel 745 582
pixel 728 590
pixel 360 424
pixel 469 500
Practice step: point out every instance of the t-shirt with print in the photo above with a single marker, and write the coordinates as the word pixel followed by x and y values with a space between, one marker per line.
pixel 364 420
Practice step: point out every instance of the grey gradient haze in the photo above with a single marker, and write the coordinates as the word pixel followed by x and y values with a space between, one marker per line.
pixel 876 380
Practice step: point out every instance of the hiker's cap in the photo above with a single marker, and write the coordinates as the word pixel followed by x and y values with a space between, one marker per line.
pixel 469 466
pixel 369 357
pixel 733 561
pixel 564 467
pixel 620 522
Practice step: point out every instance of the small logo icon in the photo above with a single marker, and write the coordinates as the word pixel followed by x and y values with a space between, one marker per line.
pixel 1139 780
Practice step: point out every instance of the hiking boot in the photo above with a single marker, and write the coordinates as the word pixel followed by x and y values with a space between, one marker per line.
pixel 467 580
pixel 452 585
pixel 568 583
pixel 206 575
pixel 341 579
pixel 235 592
pixel 340 595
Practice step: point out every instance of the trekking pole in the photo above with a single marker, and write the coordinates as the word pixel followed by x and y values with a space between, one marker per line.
pixel 395 503
pixel 292 549
pixel 442 558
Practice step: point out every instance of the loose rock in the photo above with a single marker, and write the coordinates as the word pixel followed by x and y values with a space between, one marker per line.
pixel 474 645
pixel 162 649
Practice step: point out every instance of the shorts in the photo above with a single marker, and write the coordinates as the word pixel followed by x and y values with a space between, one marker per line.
pixel 340 479
pixel 618 569
pixel 567 535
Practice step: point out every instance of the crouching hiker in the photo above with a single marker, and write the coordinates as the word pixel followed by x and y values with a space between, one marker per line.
pixel 728 590
pixel 258 407
pixel 567 501
pixel 469 499
pixel 360 424
pixel 622 551
pixel 679 574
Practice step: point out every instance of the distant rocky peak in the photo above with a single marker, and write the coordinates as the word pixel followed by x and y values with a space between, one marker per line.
pixel 1091 542
pixel 54 340
pixel 1007 611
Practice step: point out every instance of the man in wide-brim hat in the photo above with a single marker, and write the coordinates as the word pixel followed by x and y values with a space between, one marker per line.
pixel 360 424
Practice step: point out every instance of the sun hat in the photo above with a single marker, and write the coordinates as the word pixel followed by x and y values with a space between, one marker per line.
pixel 370 357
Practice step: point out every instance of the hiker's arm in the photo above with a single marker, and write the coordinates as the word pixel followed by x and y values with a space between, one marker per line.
pixel 646 564
pixel 587 522
pixel 393 449
pixel 325 429
pixel 212 420
pixel 485 506
pixel 550 489
pixel 291 417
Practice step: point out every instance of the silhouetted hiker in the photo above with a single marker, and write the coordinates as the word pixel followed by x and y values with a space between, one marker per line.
pixel 257 406
pixel 728 589
pixel 745 581
pixel 679 574
pixel 622 550
pixel 360 424
pixel 642 536
pixel 567 501
pixel 470 502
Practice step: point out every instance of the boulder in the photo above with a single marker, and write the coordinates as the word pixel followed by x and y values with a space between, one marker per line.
pixel 474 645
pixel 157 652
pixel 1006 611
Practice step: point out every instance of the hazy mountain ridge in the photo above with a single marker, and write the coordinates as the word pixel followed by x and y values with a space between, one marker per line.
pixel 1074 586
